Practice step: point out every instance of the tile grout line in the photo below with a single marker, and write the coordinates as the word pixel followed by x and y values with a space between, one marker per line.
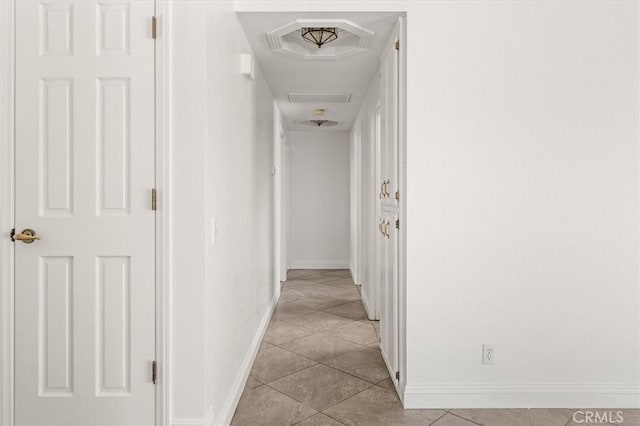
pixel 347 398
pixel 352 375
pixel 332 357
pixel 302 402
pixel 327 329
pixel 568 421
pixel 312 313
pixel 371 384
pixel 438 419
pixel 464 418
pixel 324 331
pixel 319 310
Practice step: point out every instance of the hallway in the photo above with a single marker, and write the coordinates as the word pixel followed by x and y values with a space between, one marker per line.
pixel 319 361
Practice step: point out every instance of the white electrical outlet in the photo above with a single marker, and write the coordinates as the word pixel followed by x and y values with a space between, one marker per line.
pixel 488 354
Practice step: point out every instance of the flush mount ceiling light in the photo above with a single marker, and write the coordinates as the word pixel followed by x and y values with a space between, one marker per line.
pixel 320 123
pixel 319 111
pixel 287 39
pixel 319 35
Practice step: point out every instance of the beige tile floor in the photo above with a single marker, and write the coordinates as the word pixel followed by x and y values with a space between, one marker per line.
pixel 320 364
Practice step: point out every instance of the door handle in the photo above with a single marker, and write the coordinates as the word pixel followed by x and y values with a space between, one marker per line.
pixel 27 236
pixel 384 228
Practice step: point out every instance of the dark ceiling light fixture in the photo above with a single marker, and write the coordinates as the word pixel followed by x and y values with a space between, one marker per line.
pixel 320 123
pixel 319 35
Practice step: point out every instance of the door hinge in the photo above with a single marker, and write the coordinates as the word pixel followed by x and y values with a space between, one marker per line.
pixel 154 27
pixel 397 195
pixel 154 372
pixel 398 375
pixel 397 44
pixel 12 233
pixel 397 223
pixel 154 198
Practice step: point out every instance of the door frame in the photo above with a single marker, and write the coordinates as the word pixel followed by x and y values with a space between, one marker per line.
pixel 376 280
pixel 277 168
pixel 402 188
pixel 163 151
pixel 6 209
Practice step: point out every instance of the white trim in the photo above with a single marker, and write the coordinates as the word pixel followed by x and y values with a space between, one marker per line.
pixel 320 264
pixel 230 404
pixel 356 273
pixel 277 180
pixel 6 210
pixel 286 208
pixel 163 213
pixel 189 422
pixel 545 395
pixel 375 271
pixel 402 188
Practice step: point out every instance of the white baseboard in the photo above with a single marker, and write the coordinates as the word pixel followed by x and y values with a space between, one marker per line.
pixel 319 264
pixel 189 422
pixel 522 396
pixel 229 406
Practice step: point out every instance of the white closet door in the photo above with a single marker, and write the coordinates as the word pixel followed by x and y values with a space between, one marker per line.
pixel 389 208
pixel 85 292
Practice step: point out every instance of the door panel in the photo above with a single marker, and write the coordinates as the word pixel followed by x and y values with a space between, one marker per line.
pixel 389 278
pixel 389 152
pixel 85 292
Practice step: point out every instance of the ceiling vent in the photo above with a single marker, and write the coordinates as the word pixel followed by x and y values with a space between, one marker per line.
pixel 319 98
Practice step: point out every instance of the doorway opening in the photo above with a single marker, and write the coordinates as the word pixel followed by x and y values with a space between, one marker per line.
pixel 339 180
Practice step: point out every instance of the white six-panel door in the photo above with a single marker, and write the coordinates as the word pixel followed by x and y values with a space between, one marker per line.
pixel 84 292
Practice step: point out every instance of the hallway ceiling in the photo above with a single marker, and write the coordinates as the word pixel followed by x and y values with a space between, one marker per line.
pixel 291 74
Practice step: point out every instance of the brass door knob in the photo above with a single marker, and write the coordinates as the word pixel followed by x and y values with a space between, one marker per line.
pixel 27 236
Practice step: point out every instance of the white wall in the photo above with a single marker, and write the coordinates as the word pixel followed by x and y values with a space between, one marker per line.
pixel 281 196
pixel 188 144
pixel 522 213
pixel 523 204
pixel 223 154
pixel 319 186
